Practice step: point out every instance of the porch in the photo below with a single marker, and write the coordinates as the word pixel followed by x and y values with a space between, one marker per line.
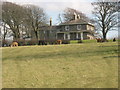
pixel 71 35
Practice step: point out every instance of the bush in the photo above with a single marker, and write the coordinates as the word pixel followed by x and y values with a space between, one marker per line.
pixel 5 43
pixel 21 42
pixel 65 41
pixel 79 41
pixel 42 42
pixel 31 42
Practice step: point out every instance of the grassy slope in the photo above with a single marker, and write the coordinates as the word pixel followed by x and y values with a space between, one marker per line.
pixel 61 66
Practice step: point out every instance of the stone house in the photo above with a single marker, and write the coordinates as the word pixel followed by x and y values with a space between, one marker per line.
pixel 72 30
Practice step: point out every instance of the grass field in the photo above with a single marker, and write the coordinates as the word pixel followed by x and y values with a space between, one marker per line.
pixel 86 65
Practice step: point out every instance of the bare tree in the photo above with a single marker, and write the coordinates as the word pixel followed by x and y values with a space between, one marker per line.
pixel 5 31
pixel 105 16
pixel 59 19
pixel 36 18
pixel 13 15
pixel 68 15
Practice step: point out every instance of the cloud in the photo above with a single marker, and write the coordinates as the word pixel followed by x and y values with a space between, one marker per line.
pixel 84 7
pixel 27 1
pixel 54 7
pixel 59 5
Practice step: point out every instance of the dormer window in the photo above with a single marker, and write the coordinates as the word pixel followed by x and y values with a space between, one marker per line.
pixel 66 28
pixel 78 27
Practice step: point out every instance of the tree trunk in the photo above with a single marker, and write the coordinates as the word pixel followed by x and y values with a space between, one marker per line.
pixel 36 34
pixel 16 35
pixel 104 36
pixel 5 32
pixel 103 30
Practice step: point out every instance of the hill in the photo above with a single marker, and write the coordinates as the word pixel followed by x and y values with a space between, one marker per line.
pixel 86 65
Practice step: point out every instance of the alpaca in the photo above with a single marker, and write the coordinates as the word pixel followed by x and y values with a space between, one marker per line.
pixel 59 41
pixel 14 44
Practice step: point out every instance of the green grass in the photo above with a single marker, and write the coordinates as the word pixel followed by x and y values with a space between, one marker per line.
pixel 73 41
pixel 89 41
pixel 84 41
pixel 86 65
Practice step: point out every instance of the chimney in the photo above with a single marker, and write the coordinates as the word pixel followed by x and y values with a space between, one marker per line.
pixel 75 16
pixel 50 21
pixel 78 16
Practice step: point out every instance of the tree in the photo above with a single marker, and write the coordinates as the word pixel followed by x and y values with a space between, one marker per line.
pixel 59 19
pixel 36 18
pixel 13 15
pixel 105 16
pixel 4 31
pixel 68 15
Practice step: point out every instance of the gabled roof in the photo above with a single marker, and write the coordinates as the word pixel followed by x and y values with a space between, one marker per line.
pixel 73 22
pixel 77 21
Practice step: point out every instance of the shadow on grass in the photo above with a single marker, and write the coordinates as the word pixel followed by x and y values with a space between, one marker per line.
pixel 112 57
pixel 62 54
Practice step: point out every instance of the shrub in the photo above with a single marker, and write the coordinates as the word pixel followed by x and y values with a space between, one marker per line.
pixel 5 43
pixel 51 42
pixel 42 42
pixel 65 41
pixel 21 42
pixel 79 41
pixel 32 42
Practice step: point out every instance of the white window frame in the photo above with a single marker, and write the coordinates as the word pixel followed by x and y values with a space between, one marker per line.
pixel 67 28
pixel 78 27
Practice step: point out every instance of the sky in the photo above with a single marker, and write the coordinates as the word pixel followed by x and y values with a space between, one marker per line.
pixel 55 7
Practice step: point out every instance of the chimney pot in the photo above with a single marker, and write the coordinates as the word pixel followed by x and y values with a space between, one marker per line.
pixel 75 16
pixel 78 16
pixel 50 21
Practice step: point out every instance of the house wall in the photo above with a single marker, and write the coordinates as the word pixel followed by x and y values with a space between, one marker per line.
pixel 89 36
pixel 53 34
pixel 89 27
pixel 41 35
pixel 84 27
pixel 73 27
pixel 47 34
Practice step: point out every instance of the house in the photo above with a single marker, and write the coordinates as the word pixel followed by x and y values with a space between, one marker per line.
pixel 72 30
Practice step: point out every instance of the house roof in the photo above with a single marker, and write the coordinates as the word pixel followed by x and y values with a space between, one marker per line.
pixel 78 21
pixel 48 27
pixel 73 22
pixel 92 32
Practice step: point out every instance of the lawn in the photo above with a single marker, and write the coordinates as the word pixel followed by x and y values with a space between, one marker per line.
pixel 85 65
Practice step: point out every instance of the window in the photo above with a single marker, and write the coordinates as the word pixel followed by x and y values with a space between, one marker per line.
pixel 78 27
pixel 66 28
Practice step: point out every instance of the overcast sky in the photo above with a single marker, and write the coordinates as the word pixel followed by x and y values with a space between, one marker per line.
pixel 54 7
